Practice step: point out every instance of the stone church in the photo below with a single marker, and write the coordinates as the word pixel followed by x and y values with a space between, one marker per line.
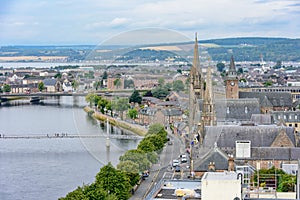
pixel 218 124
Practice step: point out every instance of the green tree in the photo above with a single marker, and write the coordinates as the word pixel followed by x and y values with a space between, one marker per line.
pixel 240 71
pixel 113 181
pixel 160 92
pixel 58 76
pixel 104 77
pixel 75 85
pixel 132 113
pixel 135 97
pixel 128 83
pixel 77 194
pixel 97 85
pixel 161 81
pixel 137 156
pixel 178 85
pixel 120 105
pixel 41 86
pixel 128 166
pixel 92 99
pixel 268 83
pixel 146 146
pixel 220 67
pixel 6 88
pixel 155 128
pixel 117 83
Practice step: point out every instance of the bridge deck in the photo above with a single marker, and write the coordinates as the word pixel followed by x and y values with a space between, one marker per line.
pixel 47 136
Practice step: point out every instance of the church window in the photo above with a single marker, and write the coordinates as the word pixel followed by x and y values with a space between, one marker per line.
pixel 296 116
pixel 246 109
pixel 284 116
pixel 290 116
pixel 227 110
pixel 278 116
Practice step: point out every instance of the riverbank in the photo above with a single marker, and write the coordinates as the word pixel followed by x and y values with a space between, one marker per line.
pixel 139 130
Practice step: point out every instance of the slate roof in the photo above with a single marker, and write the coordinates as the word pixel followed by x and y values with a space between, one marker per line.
pixel 171 112
pixel 151 99
pixel 286 116
pixel 262 119
pixel 275 153
pixel 148 111
pixel 236 109
pixel 49 82
pixel 217 156
pixel 260 136
pixel 276 99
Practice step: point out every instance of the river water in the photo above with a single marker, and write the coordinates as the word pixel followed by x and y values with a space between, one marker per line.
pixel 49 168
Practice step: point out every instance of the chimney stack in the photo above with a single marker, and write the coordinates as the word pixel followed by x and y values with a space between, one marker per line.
pixel 230 163
pixel 211 167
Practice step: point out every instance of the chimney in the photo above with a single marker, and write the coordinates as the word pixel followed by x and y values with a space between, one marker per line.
pixel 211 167
pixel 230 163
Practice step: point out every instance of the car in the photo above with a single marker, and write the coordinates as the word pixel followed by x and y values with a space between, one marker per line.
pixel 175 163
pixel 183 160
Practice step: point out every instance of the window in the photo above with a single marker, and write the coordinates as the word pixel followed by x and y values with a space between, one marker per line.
pixel 296 116
pixel 284 116
pixel 290 125
pixel 278 116
pixel 227 111
pixel 246 109
pixel 290 116
pixel 296 125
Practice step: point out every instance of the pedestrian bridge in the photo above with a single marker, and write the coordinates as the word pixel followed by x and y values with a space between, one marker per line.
pixel 65 135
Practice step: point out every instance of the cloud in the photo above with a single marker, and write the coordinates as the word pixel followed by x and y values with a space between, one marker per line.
pixel 93 21
pixel 119 21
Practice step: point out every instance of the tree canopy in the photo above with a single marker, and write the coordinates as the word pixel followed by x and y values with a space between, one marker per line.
pixel 135 97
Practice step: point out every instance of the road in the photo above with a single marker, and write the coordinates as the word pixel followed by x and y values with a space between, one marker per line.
pixel 162 168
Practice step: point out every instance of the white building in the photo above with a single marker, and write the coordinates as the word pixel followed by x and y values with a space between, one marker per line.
pixel 221 185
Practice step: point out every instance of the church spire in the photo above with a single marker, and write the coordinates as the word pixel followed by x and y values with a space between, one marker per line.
pixel 196 61
pixel 232 69
pixel 208 112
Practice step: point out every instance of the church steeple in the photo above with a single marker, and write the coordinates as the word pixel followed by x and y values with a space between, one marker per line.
pixel 196 61
pixel 232 69
pixel 208 113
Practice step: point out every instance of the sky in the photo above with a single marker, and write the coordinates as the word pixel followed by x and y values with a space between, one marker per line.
pixel 67 22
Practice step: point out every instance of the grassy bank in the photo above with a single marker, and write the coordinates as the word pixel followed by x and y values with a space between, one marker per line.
pixel 116 122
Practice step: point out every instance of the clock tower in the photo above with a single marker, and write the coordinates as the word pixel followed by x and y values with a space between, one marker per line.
pixel 232 87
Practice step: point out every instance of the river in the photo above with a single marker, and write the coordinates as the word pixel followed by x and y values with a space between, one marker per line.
pixel 49 168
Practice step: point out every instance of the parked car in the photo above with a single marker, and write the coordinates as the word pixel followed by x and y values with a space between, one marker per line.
pixel 175 163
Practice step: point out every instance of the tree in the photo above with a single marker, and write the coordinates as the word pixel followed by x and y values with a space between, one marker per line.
pixel 41 86
pixel 161 81
pixel 137 156
pixel 132 113
pixel 160 92
pixel 268 83
pixel 135 97
pixel 6 88
pixel 104 77
pixel 97 85
pixel 113 181
pixel 220 67
pixel 155 128
pixel 178 85
pixel 128 166
pixel 58 76
pixel 128 83
pixel 92 99
pixel 240 71
pixel 77 194
pixel 75 85
pixel 117 83
pixel 146 146
pixel 120 105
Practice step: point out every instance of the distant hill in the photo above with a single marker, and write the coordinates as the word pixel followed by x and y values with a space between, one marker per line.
pixel 250 49
pixel 243 49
